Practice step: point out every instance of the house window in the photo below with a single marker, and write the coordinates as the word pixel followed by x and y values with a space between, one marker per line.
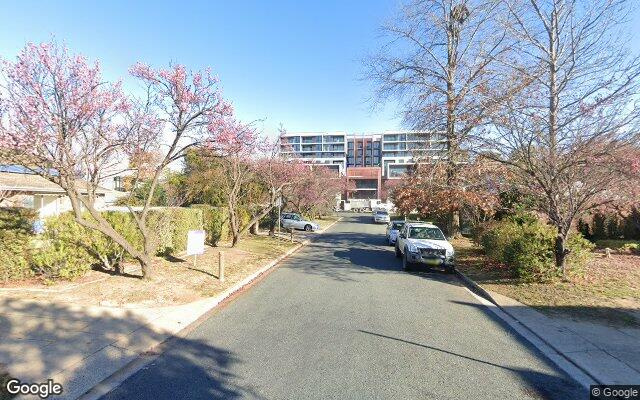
pixel 117 183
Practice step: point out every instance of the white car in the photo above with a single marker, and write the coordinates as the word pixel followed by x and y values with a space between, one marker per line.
pixel 381 216
pixel 424 244
pixel 295 221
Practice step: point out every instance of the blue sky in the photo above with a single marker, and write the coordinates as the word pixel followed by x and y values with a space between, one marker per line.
pixel 291 62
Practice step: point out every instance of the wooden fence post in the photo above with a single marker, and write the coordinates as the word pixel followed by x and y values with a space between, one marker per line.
pixel 220 266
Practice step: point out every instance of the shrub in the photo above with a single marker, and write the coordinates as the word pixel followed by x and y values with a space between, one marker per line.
pixel 58 259
pixel 529 251
pixel 527 246
pixel 14 253
pixel 169 227
pixel 182 221
pixel 244 216
pixel 630 247
pixel 580 252
pixel 17 219
pixel 494 237
pixel 215 222
pixel 15 238
pixel 99 248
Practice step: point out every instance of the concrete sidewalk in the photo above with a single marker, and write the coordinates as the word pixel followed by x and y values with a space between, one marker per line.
pixel 79 347
pixel 610 355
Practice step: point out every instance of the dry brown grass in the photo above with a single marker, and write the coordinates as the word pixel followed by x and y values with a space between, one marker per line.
pixel 175 281
pixel 607 290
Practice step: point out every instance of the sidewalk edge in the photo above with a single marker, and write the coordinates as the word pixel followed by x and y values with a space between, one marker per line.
pixel 484 294
pixel 144 358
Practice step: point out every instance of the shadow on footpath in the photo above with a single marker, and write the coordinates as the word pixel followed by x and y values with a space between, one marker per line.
pixel 37 340
pixel 541 385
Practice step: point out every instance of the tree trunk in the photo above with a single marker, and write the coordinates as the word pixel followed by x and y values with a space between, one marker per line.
pixel 454 224
pixel 254 228
pixel 561 254
pixel 103 226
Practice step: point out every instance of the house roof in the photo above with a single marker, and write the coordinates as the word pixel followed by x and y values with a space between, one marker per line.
pixel 32 183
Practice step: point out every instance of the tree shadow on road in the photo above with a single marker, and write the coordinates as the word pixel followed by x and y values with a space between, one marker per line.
pixel 189 369
pixel 81 346
pixel 540 384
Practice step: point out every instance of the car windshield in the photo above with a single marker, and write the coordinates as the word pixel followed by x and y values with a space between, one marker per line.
pixel 423 232
pixel 382 213
pixel 397 225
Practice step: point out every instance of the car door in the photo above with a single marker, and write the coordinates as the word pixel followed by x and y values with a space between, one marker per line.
pixel 295 221
pixel 286 221
pixel 400 239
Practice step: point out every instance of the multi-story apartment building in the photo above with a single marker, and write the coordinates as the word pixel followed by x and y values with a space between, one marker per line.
pixel 318 148
pixel 400 150
pixel 366 159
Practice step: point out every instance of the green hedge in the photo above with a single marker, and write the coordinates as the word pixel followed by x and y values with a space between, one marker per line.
pixel 216 223
pixel 527 246
pixel 67 250
pixel 15 238
pixel 171 224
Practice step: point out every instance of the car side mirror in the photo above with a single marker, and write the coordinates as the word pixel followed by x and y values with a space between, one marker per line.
pixel 402 235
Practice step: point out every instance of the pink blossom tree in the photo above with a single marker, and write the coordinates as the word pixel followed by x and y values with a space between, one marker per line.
pixel 63 122
pixel 316 190
pixel 182 106
pixel 246 158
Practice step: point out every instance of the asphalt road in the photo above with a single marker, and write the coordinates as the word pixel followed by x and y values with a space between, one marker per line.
pixel 341 320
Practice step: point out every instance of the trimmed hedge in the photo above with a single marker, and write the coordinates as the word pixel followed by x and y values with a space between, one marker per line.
pixel 216 223
pixel 15 237
pixel 172 224
pixel 527 246
pixel 67 250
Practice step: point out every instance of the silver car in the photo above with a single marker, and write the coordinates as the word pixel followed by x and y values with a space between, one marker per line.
pixel 295 221
pixel 424 244
pixel 381 216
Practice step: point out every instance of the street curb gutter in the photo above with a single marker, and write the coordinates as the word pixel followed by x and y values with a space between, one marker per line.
pixel 153 352
pixel 579 374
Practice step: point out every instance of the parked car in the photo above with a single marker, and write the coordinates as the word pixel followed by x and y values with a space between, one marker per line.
pixel 381 216
pixel 393 228
pixel 422 244
pixel 296 221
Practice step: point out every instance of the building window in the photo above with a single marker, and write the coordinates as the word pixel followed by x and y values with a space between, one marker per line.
pixel 117 183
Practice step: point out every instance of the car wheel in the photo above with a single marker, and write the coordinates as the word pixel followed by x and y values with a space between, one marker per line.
pixel 307 228
pixel 406 265
pixel 450 269
pixel 398 254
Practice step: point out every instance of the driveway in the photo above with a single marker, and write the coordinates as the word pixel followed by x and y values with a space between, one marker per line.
pixel 341 320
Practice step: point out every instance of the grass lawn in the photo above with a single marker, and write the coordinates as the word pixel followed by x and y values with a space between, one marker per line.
pixel 615 244
pixel 326 220
pixel 175 280
pixel 608 290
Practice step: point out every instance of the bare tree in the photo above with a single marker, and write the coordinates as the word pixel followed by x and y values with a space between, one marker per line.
pixel 4 195
pixel 566 135
pixel 440 63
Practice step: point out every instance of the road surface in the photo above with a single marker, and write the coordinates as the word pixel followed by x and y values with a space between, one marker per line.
pixel 341 320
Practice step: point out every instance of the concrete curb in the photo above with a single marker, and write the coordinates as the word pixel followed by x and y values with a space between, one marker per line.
pixel 138 361
pixel 581 376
